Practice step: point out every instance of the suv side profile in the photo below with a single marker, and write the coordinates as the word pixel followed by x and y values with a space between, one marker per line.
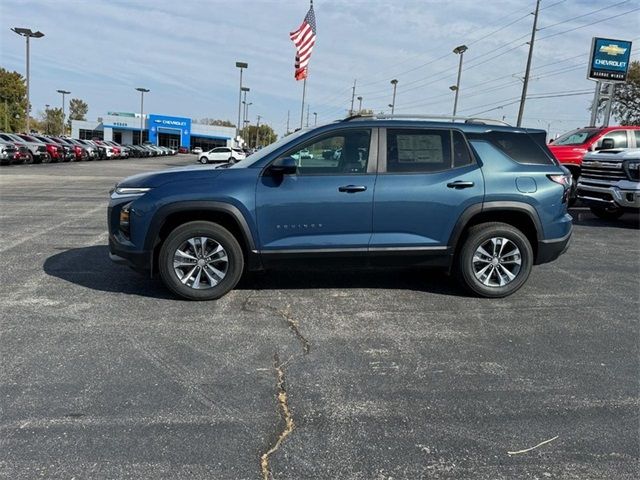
pixel 484 200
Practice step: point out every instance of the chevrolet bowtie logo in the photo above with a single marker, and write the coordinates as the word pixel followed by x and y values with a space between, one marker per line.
pixel 612 49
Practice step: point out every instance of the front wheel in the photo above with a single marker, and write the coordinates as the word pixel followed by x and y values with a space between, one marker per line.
pixel 29 159
pixel 495 260
pixel 231 160
pixel 203 160
pixel 200 261
pixel 607 213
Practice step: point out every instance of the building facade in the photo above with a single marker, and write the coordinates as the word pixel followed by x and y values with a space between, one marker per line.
pixel 165 130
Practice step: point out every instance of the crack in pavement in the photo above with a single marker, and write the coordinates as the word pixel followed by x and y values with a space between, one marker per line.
pixel 283 403
pixel 292 323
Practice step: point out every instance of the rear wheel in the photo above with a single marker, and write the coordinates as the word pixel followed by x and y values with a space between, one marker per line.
pixel 231 160
pixel 607 213
pixel 203 160
pixel 45 158
pixel 495 260
pixel 200 261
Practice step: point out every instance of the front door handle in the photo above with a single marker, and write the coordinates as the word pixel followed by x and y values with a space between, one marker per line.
pixel 352 188
pixel 459 184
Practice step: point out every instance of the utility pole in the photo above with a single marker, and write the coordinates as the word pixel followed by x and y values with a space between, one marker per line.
pixel 353 96
pixel 288 113
pixel 258 131
pixel 528 69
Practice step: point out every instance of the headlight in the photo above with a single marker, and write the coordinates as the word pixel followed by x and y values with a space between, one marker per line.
pixel 124 192
pixel 633 169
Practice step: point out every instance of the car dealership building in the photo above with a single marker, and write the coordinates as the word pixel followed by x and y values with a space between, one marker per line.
pixel 165 130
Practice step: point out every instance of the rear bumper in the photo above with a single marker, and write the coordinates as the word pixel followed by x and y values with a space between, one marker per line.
pixel 549 250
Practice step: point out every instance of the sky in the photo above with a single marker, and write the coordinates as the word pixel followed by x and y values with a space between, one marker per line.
pixel 185 52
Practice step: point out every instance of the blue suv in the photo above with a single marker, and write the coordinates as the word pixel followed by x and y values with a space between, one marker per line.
pixel 482 199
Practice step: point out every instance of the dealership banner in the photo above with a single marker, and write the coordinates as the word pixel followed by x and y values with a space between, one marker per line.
pixel 609 60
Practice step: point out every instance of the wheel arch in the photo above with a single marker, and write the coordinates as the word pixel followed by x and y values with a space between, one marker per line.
pixel 518 214
pixel 228 216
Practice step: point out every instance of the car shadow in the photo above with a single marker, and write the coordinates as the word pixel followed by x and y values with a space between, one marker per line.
pixel 91 268
pixel 585 218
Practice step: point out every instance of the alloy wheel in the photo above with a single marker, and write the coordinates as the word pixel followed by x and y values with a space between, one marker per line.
pixel 497 262
pixel 200 263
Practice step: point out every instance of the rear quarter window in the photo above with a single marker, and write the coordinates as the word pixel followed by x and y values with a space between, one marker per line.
pixel 520 147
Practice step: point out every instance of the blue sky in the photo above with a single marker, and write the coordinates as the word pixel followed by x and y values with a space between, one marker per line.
pixel 185 52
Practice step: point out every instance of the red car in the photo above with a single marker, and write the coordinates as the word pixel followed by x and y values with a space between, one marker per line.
pixel 572 146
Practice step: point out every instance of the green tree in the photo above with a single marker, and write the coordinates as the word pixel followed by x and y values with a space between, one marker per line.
pixel 265 137
pixel 626 103
pixel 50 121
pixel 77 110
pixel 13 101
pixel 218 123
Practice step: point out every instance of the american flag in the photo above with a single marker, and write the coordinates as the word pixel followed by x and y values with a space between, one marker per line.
pixel 304 38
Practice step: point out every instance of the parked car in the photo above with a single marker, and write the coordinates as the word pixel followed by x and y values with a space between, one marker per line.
pixel 37 151
pixel 11 152
pixel 483 200
pixel 610 182
pixel 79 153
pixel 571 147
pixel 196 150
pixel 65 152
pixel 119 150
pixel 222 154
pixel 107 152
pixel 100 151
pixel 92 151
pixel 185 150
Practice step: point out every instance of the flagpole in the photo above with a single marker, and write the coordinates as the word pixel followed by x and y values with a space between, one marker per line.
pixel 304 92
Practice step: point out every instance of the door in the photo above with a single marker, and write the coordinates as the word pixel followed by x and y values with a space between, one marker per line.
pixel 427 178
pixel 327 204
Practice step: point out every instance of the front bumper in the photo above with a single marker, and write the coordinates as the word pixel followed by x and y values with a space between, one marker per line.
pixel 622 194
pixel 549 250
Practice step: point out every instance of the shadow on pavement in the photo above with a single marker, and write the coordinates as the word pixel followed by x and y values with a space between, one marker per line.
pixel 90 267
pixel 585 218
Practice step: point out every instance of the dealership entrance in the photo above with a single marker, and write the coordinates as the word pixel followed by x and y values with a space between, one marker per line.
pixel 168 137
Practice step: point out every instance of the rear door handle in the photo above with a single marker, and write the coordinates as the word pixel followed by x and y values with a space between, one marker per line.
pixel 352 188
pixel 459 184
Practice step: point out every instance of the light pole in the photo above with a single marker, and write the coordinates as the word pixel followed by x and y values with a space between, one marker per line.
pixel 244 102
pixel 246 114
pixel 28 33
pixel 359 104
pixel 458 51
pixel 315 119
pixel 394 82
pixel 142 92
pixel 63 92
pixel 258 130
pixel 241 66
pixel 46 112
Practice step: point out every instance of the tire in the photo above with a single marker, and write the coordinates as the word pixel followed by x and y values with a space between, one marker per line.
pixel 186 238
pixel 204 160
pixel 470 263
pixel 607 213
pixel 231 160
pixel 45 158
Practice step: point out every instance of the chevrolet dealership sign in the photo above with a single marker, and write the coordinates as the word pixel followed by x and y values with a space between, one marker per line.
pixel 609 60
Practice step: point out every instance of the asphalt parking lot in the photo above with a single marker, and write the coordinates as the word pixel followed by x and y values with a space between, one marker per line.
pixel 103 374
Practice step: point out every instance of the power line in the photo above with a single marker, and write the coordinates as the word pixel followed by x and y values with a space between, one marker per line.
pixel 589 24
pixel 584 15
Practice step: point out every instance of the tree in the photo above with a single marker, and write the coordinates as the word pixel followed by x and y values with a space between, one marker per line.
pixel 266 135
pixel 218 123
pixel 77 110
pixel 13 101
pixel 626 103
pixel 51 121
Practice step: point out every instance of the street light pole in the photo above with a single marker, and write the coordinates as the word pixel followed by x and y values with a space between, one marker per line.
pixel 459 50
pixel 46 112
pixel 142 92
pixel 63 92
pixel 258 130
pixel 244 102
pixel 359 104
pixel 246 115
pixel 315 119
pixel 394 82
pixel 28 33
pixel 241 66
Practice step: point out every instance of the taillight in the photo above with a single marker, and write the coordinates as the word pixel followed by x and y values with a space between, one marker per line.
pixel 563 179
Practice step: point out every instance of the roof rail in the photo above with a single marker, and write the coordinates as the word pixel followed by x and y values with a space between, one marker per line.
pixel 449 118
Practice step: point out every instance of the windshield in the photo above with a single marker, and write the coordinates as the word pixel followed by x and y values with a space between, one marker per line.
pixel 576 137
pixel 263 152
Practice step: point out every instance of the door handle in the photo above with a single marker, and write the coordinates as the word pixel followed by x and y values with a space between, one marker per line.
pixel 352 188
pixel 459 184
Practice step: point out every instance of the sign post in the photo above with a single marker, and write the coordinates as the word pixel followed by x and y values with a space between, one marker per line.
pixel 608 65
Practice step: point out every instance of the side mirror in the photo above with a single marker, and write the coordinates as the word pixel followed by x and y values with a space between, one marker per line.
pixel 284 166
pixel 551 140
pixel 607 144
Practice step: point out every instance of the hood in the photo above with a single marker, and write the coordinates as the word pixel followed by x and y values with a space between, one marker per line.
pixel 155 179
pixel 568 152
